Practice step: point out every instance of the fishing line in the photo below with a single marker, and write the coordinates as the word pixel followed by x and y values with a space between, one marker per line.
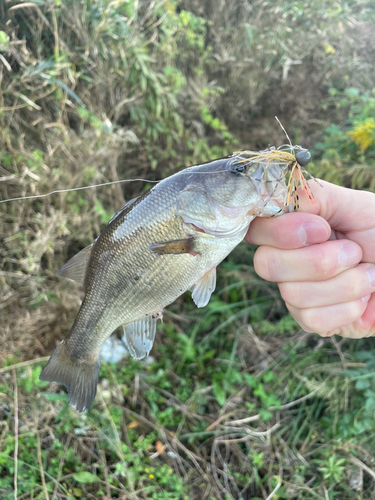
pixel 33 197
pixel 285 132
pixel 72 189
pixel 267 156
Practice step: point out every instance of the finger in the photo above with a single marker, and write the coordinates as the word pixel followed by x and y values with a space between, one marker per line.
pixel 348 211
pixel 323 319
pixel 367 321
pixel 289 231
pixel 313 263
pixel 362 327
pixel 347 286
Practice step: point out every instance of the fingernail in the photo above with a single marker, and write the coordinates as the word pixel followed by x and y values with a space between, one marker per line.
pixel 312 232
pixel 367 298
pixel 370 271
pixel 349 255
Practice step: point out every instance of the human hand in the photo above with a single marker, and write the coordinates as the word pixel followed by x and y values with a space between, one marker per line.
pixel 322 258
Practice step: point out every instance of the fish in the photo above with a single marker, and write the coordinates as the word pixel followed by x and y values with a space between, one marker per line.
pixel 159 245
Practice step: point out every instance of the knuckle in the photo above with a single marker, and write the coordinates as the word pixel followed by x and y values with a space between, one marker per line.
pixel 299 317
pixel 312 320
pixel 291 293
pixel 358 309
pixel 325 262
pixel 258 262
pixel 355 289
pixel 307 318
pixel 321 319
pixel 265 265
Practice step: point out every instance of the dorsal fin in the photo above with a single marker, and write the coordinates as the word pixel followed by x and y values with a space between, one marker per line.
pixel 127 205
pixel 75 268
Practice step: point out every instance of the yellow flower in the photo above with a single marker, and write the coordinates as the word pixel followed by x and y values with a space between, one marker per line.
pixel 363 134
pixel 329 49
pixel 151 476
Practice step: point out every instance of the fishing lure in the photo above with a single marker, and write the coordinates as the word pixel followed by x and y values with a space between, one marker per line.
pixel 290 164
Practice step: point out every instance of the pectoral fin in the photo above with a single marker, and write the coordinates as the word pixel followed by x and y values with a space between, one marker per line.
pixel 75 268
pixel 174 247
pixel 203 288
pixel 139 336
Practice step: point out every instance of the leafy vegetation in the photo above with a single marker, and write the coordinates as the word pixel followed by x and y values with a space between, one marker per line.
pixel 236 402
pixel 347 150
pixel 298 416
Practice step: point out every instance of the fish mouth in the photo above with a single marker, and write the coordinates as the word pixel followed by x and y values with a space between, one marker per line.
pixel 269 182
pixel 270 208
pixel 273 198
pixel 275 201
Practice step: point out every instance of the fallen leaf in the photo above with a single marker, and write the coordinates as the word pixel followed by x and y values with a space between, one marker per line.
pixel 133 424
pixel 159 447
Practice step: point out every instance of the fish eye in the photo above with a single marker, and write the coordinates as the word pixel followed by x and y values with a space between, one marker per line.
pixel 237 168
pixel 303 157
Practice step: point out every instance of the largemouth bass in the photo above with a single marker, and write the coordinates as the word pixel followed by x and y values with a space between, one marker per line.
pixel 159 245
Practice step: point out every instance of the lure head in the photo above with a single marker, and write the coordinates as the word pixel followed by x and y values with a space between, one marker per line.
pixel 303 156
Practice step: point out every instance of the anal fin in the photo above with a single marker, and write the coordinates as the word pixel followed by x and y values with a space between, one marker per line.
pixel 174 247
pixel 139 336
pixel 202 289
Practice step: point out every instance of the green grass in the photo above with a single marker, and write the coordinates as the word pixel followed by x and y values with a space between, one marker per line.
pixel 232 417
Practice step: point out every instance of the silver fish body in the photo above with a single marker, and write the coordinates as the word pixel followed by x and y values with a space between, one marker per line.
pixel 159 245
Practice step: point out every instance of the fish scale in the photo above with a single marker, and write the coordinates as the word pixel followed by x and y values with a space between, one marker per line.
pixel 157 274
pixel 167 241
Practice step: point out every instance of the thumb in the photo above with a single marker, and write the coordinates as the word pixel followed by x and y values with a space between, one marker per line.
pixel 289 231
pixel 295 229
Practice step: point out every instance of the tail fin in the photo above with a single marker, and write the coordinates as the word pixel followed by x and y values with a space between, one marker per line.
pixel 80 377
